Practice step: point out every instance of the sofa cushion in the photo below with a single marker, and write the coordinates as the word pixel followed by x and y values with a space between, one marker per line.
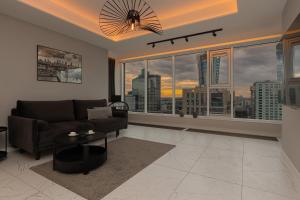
pixel 51 111
pixel 55 129
pixel 81 106
pixel 109 124
pixel 99 113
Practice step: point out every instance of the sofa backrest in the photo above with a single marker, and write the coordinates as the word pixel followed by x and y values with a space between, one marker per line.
pixel 51 111
pixel 81 106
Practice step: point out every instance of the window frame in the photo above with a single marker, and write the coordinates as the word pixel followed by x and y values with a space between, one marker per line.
pixel 229 86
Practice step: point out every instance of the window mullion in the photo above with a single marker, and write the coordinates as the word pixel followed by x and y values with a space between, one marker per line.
pixel 208 82
pixel 146 86
pixel 173 86
pixel 231 81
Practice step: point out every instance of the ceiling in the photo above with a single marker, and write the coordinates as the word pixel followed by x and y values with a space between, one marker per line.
pixel 240 19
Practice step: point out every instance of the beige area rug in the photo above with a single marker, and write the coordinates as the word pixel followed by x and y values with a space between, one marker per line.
pixel 126 157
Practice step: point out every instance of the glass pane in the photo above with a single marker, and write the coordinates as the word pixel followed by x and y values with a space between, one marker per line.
pixel 220 102
pixel 160 86
pixel 190 77
pixel 294 95
pixel 296 61
pixel 135 86
pixel 220 72
pixel 258 75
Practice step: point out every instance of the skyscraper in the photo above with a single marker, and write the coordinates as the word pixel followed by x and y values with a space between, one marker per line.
pixel 194 100
pixel 136 97
pixel 216 70
pixel 154 97
pixel 279 67
pixel 202 69
pixel 265 96
pixel 138 91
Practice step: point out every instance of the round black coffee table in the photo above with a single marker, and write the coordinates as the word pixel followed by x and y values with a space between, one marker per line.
pixel 75 155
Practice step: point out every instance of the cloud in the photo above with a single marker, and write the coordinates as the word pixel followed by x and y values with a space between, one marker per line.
pixel 253 64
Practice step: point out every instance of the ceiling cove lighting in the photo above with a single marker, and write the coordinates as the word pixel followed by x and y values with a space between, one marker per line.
pixel 122 16
pixel 186 37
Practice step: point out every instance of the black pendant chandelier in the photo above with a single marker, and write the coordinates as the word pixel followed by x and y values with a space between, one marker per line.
pixel 122 16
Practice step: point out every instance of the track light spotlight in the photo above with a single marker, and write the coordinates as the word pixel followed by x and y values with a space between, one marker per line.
pixel 214 34
pixel 187 39
pixel 172 42
pixel 153 45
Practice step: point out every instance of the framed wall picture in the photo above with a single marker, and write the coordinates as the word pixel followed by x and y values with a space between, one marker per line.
pixel 58 66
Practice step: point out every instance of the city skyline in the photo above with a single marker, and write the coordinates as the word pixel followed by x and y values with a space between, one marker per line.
pixel 249 58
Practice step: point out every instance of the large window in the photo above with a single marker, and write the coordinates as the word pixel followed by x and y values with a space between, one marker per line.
pixel 160 93
pixel 258 75
pixel 134 89
pixel 191 84
pixel 220 83
pixel 292 70
pixel 239 82
pixel 296 61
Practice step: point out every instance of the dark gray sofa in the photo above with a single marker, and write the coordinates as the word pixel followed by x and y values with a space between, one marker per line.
pixel 34 124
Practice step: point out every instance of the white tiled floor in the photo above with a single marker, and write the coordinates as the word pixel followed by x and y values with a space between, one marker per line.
pixel 200 167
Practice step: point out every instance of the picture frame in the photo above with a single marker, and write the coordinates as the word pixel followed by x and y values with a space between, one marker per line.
pixel 55 65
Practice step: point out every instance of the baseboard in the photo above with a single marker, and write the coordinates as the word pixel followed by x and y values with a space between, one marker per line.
pixel 295 174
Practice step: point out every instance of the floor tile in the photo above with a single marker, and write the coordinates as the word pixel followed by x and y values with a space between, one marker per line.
pixel 182 157
pixel 196 139
pixel 221 153
pixel 263 163
pixel 262 148
pixel 202 188
pixel 253 194
pixel 200 167
pixel 226 168
pixel 278 182
pixel 12 188
pixel 155 183
pixel 228 143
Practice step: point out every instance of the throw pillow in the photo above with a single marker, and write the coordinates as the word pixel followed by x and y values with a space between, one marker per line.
pixel 99 113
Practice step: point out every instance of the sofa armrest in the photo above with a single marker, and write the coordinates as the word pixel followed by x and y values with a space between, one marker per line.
pixel 23 133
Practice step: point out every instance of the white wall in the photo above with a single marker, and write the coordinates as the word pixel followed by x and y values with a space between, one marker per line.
pixel 290 12
pixel 18 64
pixel 210 123
pixel 290 138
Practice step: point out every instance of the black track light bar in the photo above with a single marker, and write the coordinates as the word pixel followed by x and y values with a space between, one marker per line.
pixel 186 37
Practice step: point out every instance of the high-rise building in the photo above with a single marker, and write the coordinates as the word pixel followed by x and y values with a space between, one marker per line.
pixel 136 97
pixel 220 102
pixel 265 98
pixel 138 91
pixel 154 96
pixel 202 69
pixel 242 107
pixel 194 100
pixel 279 67
pixel 216 70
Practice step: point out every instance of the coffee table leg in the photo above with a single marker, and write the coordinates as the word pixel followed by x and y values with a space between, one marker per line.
pixel 54 155
pixel 85 156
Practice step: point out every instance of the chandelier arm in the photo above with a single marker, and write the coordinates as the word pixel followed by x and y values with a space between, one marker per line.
pixel 122 11
pixel 116 9
pixel 112 14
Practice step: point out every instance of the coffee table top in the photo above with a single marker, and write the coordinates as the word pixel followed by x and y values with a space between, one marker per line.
pixel 81 138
